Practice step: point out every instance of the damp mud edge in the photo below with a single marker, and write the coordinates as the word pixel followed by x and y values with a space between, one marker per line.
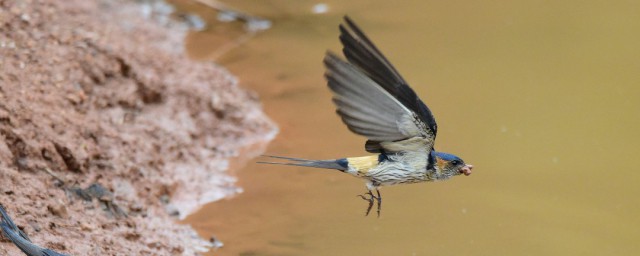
pixel 108 133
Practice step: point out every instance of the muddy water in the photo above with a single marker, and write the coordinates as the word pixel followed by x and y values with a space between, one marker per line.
pixel 542 97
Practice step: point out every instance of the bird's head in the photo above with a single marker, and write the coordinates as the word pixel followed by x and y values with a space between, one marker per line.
pixel 450 165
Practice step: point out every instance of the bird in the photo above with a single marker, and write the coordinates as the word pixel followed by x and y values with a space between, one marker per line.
pixel 374 101
pixel 20 239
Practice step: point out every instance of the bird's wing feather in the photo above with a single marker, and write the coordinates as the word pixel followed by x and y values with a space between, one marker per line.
pixel 363 54
pixel 373 146
pixel 366 108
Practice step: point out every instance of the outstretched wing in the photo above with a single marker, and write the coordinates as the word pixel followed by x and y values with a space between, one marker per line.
pixel 369 110
pixel 363 54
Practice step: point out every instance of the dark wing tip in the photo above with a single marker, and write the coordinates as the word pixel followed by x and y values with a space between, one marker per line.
pixel 331 57
pixel 361 52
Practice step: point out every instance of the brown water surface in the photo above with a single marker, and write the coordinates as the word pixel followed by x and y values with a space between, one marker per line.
pixel 543 97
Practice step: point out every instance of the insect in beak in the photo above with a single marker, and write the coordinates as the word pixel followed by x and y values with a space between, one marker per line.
pixel 466 170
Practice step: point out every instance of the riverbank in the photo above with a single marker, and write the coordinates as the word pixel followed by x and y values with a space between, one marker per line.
pixel 101 93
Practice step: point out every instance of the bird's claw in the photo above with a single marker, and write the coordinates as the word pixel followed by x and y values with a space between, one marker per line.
pixel 369 197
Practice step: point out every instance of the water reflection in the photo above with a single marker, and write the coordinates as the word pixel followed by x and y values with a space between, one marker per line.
pixel 542 97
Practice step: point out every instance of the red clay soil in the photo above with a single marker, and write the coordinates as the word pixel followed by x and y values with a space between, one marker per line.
pixel 100 92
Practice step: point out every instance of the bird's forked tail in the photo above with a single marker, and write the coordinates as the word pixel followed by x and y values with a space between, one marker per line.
pixel 337 164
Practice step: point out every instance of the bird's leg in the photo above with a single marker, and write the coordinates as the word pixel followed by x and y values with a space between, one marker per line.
pixel 370 200
pixel 379 201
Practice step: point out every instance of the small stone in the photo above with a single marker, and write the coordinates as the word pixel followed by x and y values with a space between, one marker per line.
pixel 68 157
pixel 132 236
pixel 136 207
pixel 215 242
pixel 25 17
pixel 58 210
pixel 86 226
pixel 172 210
pixel 36 227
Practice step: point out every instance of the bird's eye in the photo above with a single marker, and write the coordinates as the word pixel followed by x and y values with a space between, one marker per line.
pixel 455 162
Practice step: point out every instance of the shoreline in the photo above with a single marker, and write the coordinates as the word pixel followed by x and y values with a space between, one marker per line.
pixel 102 92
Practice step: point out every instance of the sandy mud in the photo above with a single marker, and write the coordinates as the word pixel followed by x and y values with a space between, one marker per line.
pixel 108 133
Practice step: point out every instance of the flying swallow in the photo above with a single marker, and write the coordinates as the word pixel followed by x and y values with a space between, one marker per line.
pixel 374 101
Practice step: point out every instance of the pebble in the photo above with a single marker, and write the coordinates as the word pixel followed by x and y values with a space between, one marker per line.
pixel 58 210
